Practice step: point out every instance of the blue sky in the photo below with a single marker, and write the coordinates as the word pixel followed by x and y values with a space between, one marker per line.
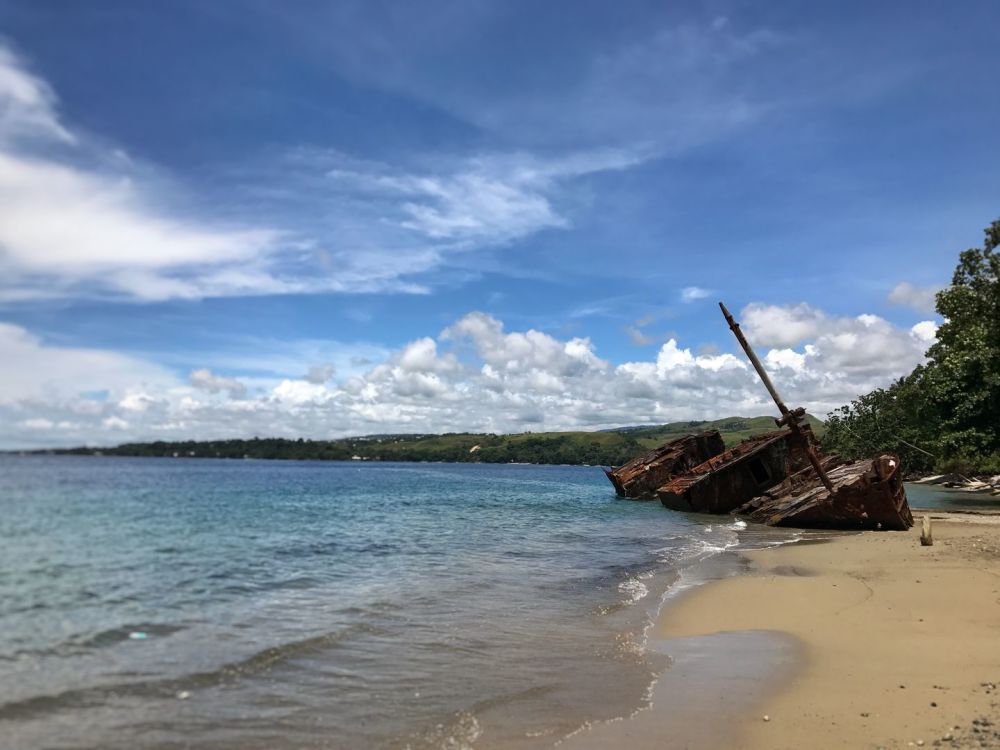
pixel 206 202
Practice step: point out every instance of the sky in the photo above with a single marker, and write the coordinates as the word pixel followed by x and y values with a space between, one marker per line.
pixel 321 219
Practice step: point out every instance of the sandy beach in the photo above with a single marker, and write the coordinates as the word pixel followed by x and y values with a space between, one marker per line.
pixel 872 640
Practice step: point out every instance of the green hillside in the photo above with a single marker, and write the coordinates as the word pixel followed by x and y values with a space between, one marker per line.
pixel 733 429
pixel 606 448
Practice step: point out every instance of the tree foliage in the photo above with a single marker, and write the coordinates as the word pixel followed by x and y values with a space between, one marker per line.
pixel 949 407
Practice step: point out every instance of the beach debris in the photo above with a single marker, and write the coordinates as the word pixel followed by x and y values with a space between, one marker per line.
pixel 183 695
pixel 137 635
pixel 926 538
pixel 766 717
pixel 779 478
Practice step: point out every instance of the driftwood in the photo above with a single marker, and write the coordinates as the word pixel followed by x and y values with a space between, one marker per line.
pixel 926 538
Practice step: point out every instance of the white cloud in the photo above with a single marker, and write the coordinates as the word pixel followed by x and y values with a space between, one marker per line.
pixel 205 380
pixel 66 226
pixel 782 326
pixel 319 374
pixel 920 298
pixel 300 393
pixel 637 337
pixel 68 229
pixel 79 219
pixel 694 293
pixel 475 375
pixel 31 370
pixel 925 332
pixel 489 199
pixel 27 104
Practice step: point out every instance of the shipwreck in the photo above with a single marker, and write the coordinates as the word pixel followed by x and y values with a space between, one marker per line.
pixel 780 478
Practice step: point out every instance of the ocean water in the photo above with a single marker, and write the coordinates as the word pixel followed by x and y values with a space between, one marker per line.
pixel 169 603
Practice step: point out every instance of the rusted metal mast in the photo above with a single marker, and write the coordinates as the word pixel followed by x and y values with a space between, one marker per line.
pixel 789 417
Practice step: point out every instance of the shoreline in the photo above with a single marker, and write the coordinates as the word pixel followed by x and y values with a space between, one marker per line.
pixel 864 640
pixel 683 700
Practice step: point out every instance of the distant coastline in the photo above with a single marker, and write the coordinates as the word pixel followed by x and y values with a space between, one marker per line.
pixel 601 448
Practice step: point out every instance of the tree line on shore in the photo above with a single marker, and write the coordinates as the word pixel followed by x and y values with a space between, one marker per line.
pixel 945 415
pixel 607 448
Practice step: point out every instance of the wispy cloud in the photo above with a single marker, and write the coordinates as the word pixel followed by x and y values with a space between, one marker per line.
pixel 67 228
pixel 28 103
pixel 637 337
pixel 79 221
pixel 670 86
pixel 486 199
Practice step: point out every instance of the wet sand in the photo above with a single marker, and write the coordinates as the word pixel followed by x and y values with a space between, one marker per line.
pixel 896 645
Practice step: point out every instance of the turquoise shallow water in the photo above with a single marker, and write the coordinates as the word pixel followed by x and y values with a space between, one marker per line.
pixel 936 497
pixel 162 603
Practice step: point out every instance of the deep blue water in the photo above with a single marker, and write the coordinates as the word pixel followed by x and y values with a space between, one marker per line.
pixel 221 604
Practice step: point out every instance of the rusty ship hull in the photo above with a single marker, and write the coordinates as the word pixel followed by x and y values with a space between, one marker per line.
pixel 640 478
pixel 866 495
pixel 724 482
pixel 767 479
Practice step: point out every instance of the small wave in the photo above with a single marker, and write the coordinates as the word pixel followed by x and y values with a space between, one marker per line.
pixel 98 695
pixel 83 643
pixel 708 547
pixel 634 589
pixel 131 631
pixel 460 733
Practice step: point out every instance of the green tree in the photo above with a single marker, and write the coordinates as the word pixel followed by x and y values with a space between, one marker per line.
pixel 964 364
pixel 949 407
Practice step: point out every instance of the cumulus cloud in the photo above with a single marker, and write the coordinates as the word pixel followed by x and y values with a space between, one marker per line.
pixel 474 375
pixel 783 326
pixel 920 298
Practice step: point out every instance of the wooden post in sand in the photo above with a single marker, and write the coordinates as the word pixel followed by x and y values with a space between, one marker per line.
pixel 926 539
